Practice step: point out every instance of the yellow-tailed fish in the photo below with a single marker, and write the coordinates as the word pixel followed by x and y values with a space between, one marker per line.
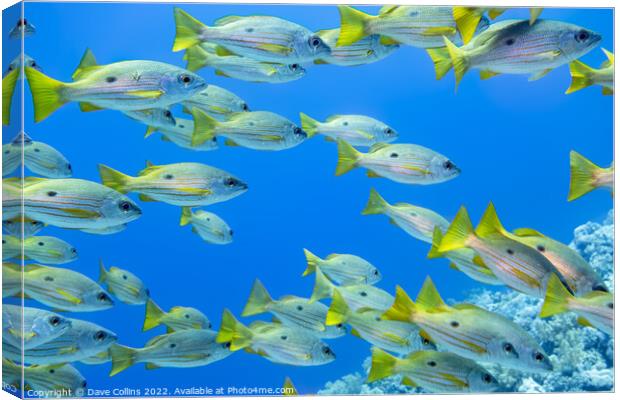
pixel 32 325
pixel 183 349
pixel 514 263
pixel 418 26
pixel 208 226
pixel 585 176
pixel 343 269
pixel 594 309
pixel 153 118
pixel 182 184
pixel 258 130
pixel 124 285
pixel 467 18
pixel 177 319
pixel 469 331
pixel 262 38
pixel 293 311
pixel 125 85
pixel 242 68
pixel 23 28
pixel 465 260
pixel 276 342
pixel 67 203
pixel 404 163
pixel 368 50
pixel 49 250
pixel 52 379
pixel 64 289
pixel 217 102
pixel 357 296
pixel 11 247
pixel 288 388
pixel 584 76
pixel 84 339
pixel 398 337
pixel 9 82
pixel 516 47
pixel 434 371
pixel 357 130
pixel 417 221
pixel 44 160
pixel 577 273
pixel 25 228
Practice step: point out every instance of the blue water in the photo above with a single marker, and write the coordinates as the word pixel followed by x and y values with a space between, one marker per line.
pixel 510 137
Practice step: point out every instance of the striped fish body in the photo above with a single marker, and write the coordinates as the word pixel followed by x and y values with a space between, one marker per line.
pixel 177 319
pixel 210 227
pixel 11 247
pixel 44 160
pixel 597 308
pixel 516 47
pixel 98 359
pixel 46 378
pixel 217 102
pixel 181 135
pixel 408 163
pixel 357 130
pixel 39 326
pixel 153 117
pixel 11 158
pixel 366 296
pixel 265 38
pixel 49 250
pixel 124 285
pixel 463 261
pixel 11 279
pixel 418 222
pixel 365 51
pixel 310 317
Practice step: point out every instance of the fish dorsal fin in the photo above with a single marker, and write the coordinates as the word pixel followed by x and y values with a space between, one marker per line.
pixel 407 381
pixel 377 146
pixel 387 9
pixel 468 306
pixel 87 64
pixel 477 260
pixel 429 297
pixel 227 20
pixel 150 167
pixel 596 293
pixel 355 333
pixel 155 340
pixel 290 297
pixel 490 224
pixel 333 118
pixel 434 251
pixel 610 59
pixel 332 256
pixel 524 232
pixel 583 322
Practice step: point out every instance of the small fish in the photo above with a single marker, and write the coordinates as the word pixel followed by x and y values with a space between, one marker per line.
pixel 67 203
pixel 183 349
pixel 417 221
pixel 37 326
pixel 594 309
pixel 293 311
pixel 262 38
pixel 404 163
pixel 435 371
pixel 153 118
pixel 124 285
pixel 49 250
pixel 584 76
pixel 579 275
pixel 177 319
pixel 357 296
pixel 468 18
pixel 417 26
pixel 276 342
pixel 368 50
pixel 217 102
pixel 514 263
pixel 64 289
pixel 465 260
pixel 84 339
pixel 343 269
pixel 585 176
pixel 258 130
pixel 242 68
pixel 182 184
pixel 22 28
pixel 505 48
pixel 210 227
pixel 58 378
pixel 44 160
pixel 25 228
pixel 398 337
pixel 469 331
pixel 124 86
pixel 357 130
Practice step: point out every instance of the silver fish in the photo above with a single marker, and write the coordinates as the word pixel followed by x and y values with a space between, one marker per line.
pixel 124 285
pixel 25 228
pixel 217 102
pixel 49 250
pixel 46 380
pixel 32 325
pixel 208 226
pixel 23 28
pixel 365 51
pixel 343 269
pixel 357 130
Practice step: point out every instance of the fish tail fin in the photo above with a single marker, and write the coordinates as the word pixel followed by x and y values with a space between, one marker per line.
pixel 204 127
pixel 312 262
pixel 114 179
pixel 197 58
pixel 459 60
pixel 258 301
pixel 582 176
pixel 467 20
pixel 383 365
pixel 309 125
pixel 339 311
pixel 347 157
pixel 234 332
pixel 442 61
pixel 376 204
pixel 8 88
pixel 352 25
pixel 188 30
pixel 580 74
pixel 434 251
pixel 102 271
pixel 490 223
pixel 186 216
pixel 46 93
pixel 403 308
pixel 458 232
pixel 153 315
pixel 556 299
pixel 323 288
pixel 123 357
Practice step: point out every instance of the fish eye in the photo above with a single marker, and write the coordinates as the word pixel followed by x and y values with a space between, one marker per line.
pixel 100 335
pixel 508 348
pixel 73 250
pixel 227 345
pixel 110 79
pixel 147 292
pixel 48 279
pixel 231 182
pixel 3 241
pixel 33 63
pixel 540 248
pixel 230 232
pixel 432 363
pixel 125 206
pixel 339 326
pixel 84 383
pixel 582 36
pixel 315 41
pixel 186 316
pixel 51 193
pixel 245 107
pixel 167 114
pixel 449 165
pixel 327 350
pixel 51 371
pixel 103 297
pixel 186 79
pixel 69 167
pixel 370 52
pixel 10 68
pixel 610 305
pixel 510 42
pixel 600 288
pixel 294 67
pixel 388 131
pixel 538 356
pixel 487 378
pixel 54 320
pixel 425 341
pixel 376 272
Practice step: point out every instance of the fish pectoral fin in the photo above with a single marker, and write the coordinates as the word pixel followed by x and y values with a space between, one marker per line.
pixel 387 41
pixel 88 107
pixel 79 213
pixel 396 339
pixel 439 31
pixel 271 138
pixel 583 322
pixel 372 174
pixel 451 378
pixel 231 143
pixel 408 382
pixel 219 72
pixel 147 94
pixel 477 260
pixel 145 198
pixel 607 91
pixel 151 366
pixel 364 134
pixel 196 191
pixel 68 350
pixel 68 296
pixel 540 74
pixel 275 48
pixel 487 74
